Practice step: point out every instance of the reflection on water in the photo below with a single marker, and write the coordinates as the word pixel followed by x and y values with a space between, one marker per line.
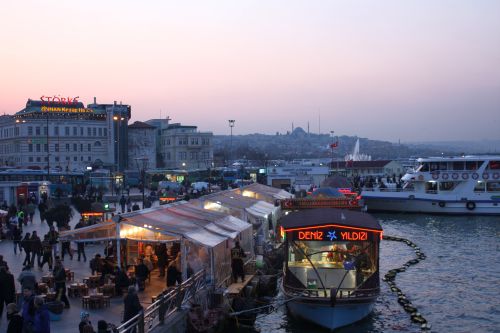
pixel 456 288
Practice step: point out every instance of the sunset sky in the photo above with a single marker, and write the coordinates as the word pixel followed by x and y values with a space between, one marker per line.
pixel 389 70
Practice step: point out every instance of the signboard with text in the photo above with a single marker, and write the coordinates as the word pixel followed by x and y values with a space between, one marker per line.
pixel 332 234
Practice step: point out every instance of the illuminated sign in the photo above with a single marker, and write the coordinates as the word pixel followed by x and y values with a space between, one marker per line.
pixel 64 109
pixel 57 99
pixel 332 235
pixel 304 203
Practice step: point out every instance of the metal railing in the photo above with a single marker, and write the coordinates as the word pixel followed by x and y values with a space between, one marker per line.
pixel 165 305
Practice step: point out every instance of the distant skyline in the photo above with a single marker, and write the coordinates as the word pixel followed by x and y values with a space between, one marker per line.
pixel 385 70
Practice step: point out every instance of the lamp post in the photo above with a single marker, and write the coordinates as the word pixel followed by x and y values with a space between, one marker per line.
pixel 142 164
pixel 231 125
pixel 119 119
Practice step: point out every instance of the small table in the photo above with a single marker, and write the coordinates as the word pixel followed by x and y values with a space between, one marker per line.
pixel 78 290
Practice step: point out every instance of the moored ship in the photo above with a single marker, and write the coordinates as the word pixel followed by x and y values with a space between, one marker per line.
pixel 443 185
pixel 331 269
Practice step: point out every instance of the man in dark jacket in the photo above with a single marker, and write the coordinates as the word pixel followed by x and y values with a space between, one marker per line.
pixel 16 238
pixel 131 303
pixel 36 248
pixel 46 253
pixel 26 245
pixel 15 319
pixel 81 245
pixel 237 255
pixel 60 283
pixel 141 273
pixel 7 288
pixel 161 254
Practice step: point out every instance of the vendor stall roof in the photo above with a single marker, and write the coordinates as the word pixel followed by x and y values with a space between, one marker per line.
pixel 274 192
pixel 325 216
pixel 175 220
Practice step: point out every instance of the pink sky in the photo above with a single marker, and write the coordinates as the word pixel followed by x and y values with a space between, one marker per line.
pixel 409 70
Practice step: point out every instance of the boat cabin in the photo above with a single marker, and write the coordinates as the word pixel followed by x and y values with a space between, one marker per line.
pixel 331 252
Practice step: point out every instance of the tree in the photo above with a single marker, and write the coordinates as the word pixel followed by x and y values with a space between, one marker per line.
pixel 61 214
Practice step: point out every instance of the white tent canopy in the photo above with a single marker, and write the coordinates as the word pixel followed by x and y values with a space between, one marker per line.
pixel 263 192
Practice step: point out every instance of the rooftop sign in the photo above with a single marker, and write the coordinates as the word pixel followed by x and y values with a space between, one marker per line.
pixel 60 100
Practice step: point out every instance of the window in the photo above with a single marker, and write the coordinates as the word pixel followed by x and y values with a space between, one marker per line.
pixel 168 156
pixel 88 159
pixel 38 159
pixel 75 158
pixel 30 130
pixel 97 144
pixel 479 186
pixel 81 158
pixel 205 141
pixel 75 131
pixel 89 147
pixel 38 148
pixel 30 159
pixel 182 155
pixel 81 146
pixel 45 147
pixel 89 131
pixel 67 147
pixel 66 131
pixel 45 130
pixel 56 158
pixel 105 132
pixel 67 158
pixel 493 186
pixel 100 131
pixel 37 130
pixel 56 147
pixel 56 130
pixel 81 131
pixel 168 142
pixel 494 165
pixel 75 147
pixel 194 141
pixel 94 131
pixel 30 147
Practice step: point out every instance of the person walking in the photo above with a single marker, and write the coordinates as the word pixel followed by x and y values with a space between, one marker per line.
pixel 36 248
pixel 27 279
pixel 161 254
pixel 80 246
pixel 131 304
pixel 15 319
pixel 237 255
pixel 60 282
pixel 41 318
pixel 16 238
pixel 7 288
pixel 53 239
pixel 26 245
pixel 46 253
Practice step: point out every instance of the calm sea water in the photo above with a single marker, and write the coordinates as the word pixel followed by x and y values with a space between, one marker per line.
pixel 457 288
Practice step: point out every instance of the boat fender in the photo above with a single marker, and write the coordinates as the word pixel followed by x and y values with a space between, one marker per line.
pixel 409 308
pixel 445 176
pixel 475 176
pixel 471 205
pixel 454 176
pixel 442 204
pixel 465 176
pixel 417 318
pixel 485 176
pixel 496 175
pixel 435 175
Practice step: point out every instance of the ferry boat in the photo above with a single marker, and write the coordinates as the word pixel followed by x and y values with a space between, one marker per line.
pixel 443 185
pixel 331 268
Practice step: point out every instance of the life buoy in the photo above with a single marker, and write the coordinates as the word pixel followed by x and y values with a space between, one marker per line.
pixel 471 205
pixel 454 175
pixel 465 176
pixel 485 175
pixel 475 175
pixel 496 175
pixel 442 204
pixel 444 176
pixel 435 175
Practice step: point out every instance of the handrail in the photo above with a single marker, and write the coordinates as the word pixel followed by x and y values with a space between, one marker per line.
pixel 165 305
pixel 351 292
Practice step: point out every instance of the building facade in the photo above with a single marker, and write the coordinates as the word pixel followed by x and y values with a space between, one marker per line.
pixel 184 147
pixel 65 135
pixel 300 177
pixel 142 144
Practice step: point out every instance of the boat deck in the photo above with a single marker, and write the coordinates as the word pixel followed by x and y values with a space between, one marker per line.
pixel 236 288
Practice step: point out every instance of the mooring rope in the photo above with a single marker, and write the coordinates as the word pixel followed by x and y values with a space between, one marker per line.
pixel 390 276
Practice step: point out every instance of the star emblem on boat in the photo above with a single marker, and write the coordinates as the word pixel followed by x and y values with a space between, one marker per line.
pixel 331 235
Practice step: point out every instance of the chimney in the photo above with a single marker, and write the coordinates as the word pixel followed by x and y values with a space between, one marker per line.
pixel 95 100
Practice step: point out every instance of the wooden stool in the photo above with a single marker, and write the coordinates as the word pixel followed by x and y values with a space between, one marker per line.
pixel 86 302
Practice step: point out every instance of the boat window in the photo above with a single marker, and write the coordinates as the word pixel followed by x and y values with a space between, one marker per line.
pixel 479 186
pixel 434 166
pixel 458 165
pixel 471 165
pixel 493 186
pixel 431 187
pixel 424 167
pixel 447 186
pixel 443 166
pixel 331 261
pixel 494 165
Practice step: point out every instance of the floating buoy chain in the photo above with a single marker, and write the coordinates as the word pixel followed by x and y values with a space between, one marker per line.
pixel 390 277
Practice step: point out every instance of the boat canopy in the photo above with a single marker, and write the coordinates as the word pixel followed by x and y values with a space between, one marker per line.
pixel 328 216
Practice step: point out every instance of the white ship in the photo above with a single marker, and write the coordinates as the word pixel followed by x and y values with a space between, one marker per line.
pixel 443 185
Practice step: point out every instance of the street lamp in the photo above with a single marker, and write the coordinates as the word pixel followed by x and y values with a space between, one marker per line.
pixel 119 119
pixel 231 125
pixel 142 164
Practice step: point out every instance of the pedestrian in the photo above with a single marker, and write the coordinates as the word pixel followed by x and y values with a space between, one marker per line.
pixel 85 325
pixel 60 282
pixel 27 279
pixel 28 311
pixel 36 248
pixel 141 274
pixel 42 207
pixel 15 319
pixel 46 253
pixel 53 239
pixel 42 318
pixel 161 254
pixel 30 210
pixel 66 248
pixel 7 288
pixel 123 201
pixel 96 264
pixel 237 255
pixel 26 245
pixel 16 238
pixel 174 273
pixel 131 303
pixel 129 204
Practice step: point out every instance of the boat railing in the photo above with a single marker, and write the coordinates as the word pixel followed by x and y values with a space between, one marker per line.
pixel 378 189
pixel 342 293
